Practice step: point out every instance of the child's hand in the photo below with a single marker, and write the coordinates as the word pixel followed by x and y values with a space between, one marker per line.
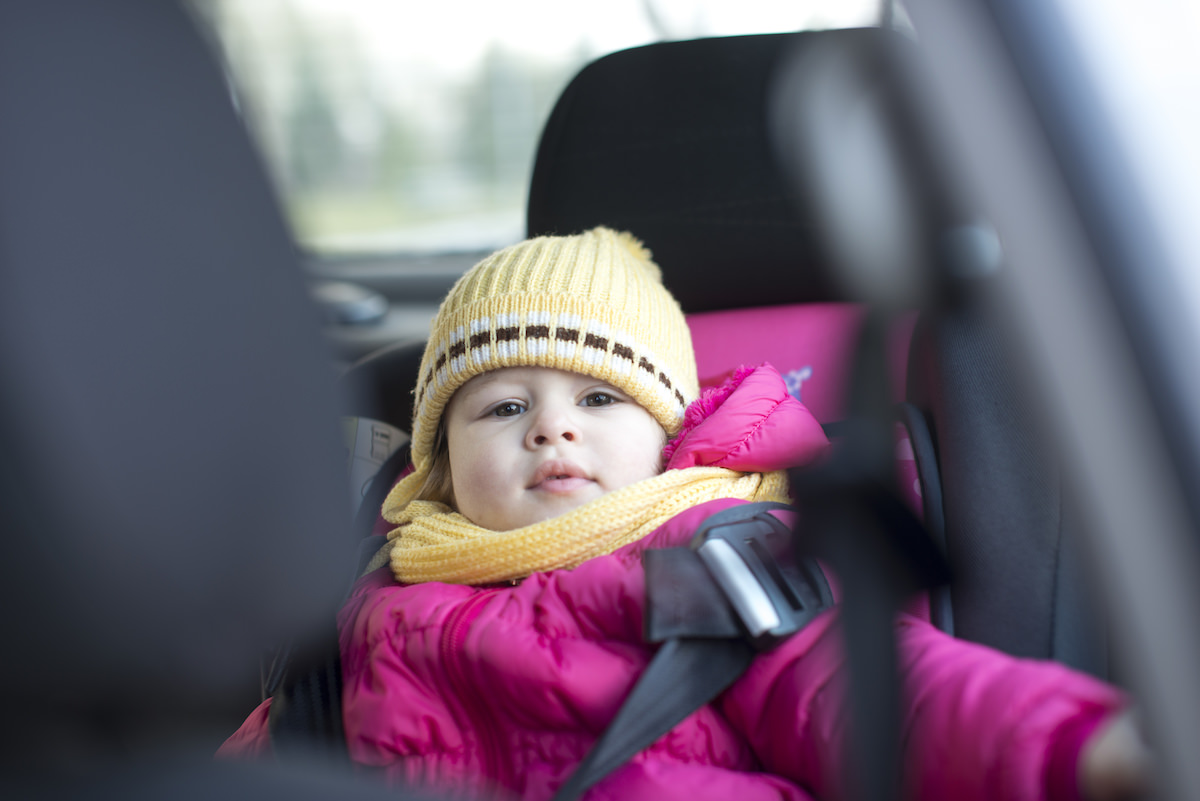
pixel 1115 762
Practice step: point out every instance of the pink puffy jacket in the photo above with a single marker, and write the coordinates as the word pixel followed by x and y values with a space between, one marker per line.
pixel 504 689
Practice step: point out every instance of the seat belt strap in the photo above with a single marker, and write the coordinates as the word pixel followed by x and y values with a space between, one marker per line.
pixel 737 590
pixel 684 675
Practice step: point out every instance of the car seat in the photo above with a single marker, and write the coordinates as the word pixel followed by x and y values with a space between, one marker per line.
pixel 172 469
pixel 674 142
pixel 677 142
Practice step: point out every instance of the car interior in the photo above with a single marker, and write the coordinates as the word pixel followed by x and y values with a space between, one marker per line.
pixel 833 202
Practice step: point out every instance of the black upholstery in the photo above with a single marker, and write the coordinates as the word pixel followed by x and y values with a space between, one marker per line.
pixel 672 141
pixel 1012 546
pixel 380 385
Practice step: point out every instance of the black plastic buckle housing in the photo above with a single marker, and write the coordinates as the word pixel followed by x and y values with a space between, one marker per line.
pixel 774 591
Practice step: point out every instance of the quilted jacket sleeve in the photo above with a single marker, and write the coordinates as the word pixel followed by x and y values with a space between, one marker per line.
pixel 253 737
pixel 975 723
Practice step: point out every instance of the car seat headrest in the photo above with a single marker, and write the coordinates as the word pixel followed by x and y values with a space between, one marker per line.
pixel 672 141
pixel 169 438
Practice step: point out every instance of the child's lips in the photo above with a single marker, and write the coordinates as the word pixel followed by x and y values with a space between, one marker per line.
pixel 562 485
pixel 559 477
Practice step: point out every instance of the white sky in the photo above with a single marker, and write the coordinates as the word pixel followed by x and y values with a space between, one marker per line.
pixel 452 34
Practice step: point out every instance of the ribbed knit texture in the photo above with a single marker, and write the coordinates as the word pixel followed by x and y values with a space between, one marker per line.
pixel 433 543
pixel 592 303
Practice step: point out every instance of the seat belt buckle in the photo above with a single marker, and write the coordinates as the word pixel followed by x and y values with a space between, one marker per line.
pixel 773 590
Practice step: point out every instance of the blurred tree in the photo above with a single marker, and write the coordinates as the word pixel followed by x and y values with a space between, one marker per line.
pixel 400 150
pixel 504 106
pixel 316 149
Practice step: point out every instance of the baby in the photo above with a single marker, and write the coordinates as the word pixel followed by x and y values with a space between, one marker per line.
pixel 559 432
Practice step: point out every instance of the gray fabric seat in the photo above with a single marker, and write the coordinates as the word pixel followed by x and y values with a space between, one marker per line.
pixel 173 494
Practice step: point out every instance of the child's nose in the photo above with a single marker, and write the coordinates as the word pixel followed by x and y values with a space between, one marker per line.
pixel 551 425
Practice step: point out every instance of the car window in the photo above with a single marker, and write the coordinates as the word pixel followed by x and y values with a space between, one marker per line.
pixel 1142 60
pixel 401 126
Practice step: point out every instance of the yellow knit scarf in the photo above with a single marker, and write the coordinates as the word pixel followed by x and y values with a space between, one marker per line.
pixel 433 543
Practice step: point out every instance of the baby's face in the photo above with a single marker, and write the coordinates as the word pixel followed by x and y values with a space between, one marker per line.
pixel 530 443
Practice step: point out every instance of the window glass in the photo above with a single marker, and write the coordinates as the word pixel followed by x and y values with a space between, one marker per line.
pixel 1143 60
pixel 401 126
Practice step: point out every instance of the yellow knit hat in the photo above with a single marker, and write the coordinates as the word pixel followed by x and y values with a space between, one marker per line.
pixel 593 303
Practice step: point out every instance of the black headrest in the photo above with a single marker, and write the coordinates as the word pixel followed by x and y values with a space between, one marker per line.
pixel 672 142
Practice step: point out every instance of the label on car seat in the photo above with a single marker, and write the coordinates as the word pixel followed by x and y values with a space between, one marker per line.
pixel 369 443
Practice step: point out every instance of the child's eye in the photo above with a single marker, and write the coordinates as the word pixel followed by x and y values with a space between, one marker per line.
pixel 598 399
pixel 507 409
